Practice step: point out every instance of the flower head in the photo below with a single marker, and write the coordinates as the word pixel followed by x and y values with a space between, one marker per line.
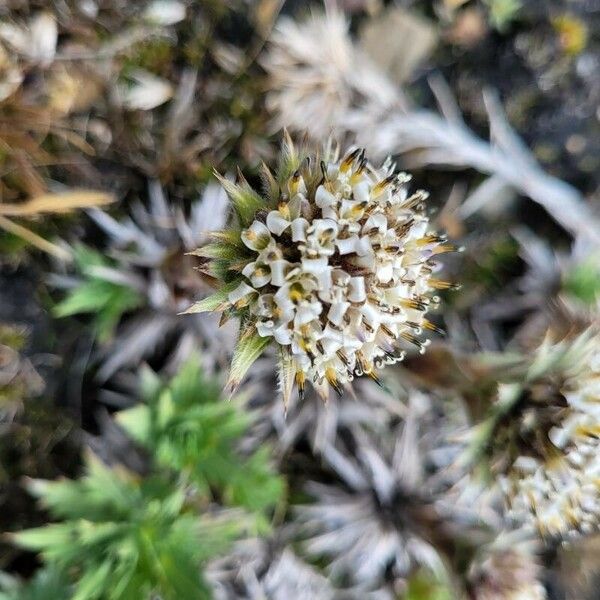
pixel 317 75
pixel 335 265
pixel 506 570
pixel 545 438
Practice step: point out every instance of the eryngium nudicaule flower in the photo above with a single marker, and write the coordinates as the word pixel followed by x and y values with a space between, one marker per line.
pixel 334 264
pixel 544 435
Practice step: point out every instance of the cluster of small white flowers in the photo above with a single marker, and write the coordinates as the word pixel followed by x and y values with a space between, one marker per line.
pixel 342 276
pixel 560 495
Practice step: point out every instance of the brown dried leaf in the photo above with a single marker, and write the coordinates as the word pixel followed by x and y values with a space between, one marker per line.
pixel 57 203
pixel 34 239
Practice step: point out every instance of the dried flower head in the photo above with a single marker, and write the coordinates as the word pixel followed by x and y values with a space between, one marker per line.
pixel 506 570
pixel 543 438
pixel 317 75
pixel 335 264
pixel 255 570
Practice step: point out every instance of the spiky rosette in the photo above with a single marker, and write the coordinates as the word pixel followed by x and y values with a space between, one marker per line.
pixel 144 266
pixel 543 438
pixel 334 263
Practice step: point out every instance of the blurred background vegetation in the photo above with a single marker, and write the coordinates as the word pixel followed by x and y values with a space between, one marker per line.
pixel 125 473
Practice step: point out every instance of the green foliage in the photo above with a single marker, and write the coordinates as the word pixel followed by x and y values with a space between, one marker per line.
pixel 126 537
pixel 106 300
pixel 502 12
pixel 189 428
pixel 123 536
pixel 13 337
pixel 423 586
pixel 215 302
pixel 247 351
pixel 246 201
pixel 583 281
pixel 47 584
pixel 493 265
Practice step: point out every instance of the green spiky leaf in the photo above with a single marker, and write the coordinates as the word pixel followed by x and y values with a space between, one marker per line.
pixel 249 348
pixel 246 201
pixel 216 302
pixel 47 584
pixel 583 281
pixel 106 300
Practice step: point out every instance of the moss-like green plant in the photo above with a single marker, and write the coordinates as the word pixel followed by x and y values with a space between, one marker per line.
pixel 583 281
pixel 122 536
pixel 502 12
pixel 125 537
pixel 189 428
pixel 422 586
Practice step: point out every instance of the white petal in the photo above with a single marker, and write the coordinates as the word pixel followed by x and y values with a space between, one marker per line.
pixel 248 270
pixel 347 245
pixel 279 269
pixel 337 311
pixel 307 313
pixel 257 236
pixel 330 346
pixel 320 268
pixel 385 272
pixel 361 191
pixel 165 12
pixel 146 91
pixel 264 328
pixel 323 198
pixel 299 227
pixel 260 280
pixel 376 221
pixel 321 226
pixel 276 222
pixel 357 291
pixel 363 247
pixel 283 336
pixel 315 266
pixel 283 301
pixel 43 37
pixel 329 213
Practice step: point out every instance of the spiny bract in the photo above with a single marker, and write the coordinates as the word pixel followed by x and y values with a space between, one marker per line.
pixel 334 264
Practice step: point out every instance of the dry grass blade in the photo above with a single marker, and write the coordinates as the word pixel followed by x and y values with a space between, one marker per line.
pixel 34 239
pixel 57 203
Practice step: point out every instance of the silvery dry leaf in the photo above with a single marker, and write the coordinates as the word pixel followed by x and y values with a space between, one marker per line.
pixel 35 42
pixel 11 75
pixel 145 92
pixel 43 35
pixel 408 40
pixel 165 12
